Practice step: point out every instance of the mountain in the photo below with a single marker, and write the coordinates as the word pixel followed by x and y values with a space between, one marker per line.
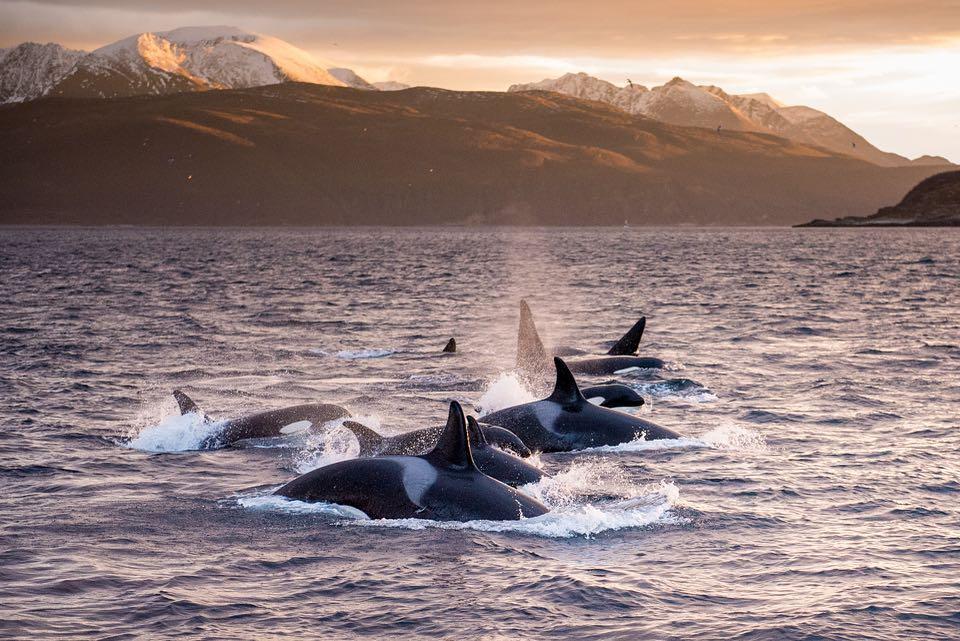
pixel 351 79
pixel 300 153
pixel 390 85
pixel 935 202
pixel 30 70
pixel 190 59
pixel 682 103
pixel 580 85
pixel 185 59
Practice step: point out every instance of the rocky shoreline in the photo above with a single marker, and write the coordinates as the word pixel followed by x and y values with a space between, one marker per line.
pixel 934 202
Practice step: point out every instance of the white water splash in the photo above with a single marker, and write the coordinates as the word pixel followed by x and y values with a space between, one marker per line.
pixel 581 481
pixel 566 521
pixel 175 433
pixel 673 391
pixel 331 444
pixel 734 437
pixel 274 503
pixel 506 391
pixel 725 437
pixel 358 354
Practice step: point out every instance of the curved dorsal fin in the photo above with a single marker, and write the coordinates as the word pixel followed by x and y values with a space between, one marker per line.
pixel 451 346
pixel 477 437
pixel 566 390
pixel 629 342
pixel 369 440
pixel 453 446
pixel 531 354
pixel 186 403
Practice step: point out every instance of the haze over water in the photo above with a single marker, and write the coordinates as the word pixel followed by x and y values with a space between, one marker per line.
pixel 814 372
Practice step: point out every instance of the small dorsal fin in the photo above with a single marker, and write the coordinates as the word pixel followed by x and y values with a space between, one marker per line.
pixel 369 440
pixel 451 346
pixel 566 390
pixel 629 342
pixel 531 354
pixel 477 437
pixel 186 403
pixel 453 446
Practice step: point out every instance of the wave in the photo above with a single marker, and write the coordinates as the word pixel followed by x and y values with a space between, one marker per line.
pixel 668 366
pixel 726 437
pixel 359 354
pixel 582 520
pixel 682 389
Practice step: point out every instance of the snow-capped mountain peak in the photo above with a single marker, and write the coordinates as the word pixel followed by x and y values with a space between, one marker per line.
pixel 30 70
pixel 190 59
pixel 763 98
pixel 681 102
pixel 350 78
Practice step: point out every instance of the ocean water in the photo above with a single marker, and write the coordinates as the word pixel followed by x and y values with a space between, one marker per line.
pixel 814 375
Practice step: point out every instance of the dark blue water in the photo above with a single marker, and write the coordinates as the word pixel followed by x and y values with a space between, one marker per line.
pixel 815 375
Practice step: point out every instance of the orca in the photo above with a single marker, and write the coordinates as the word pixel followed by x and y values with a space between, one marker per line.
pixel 627 345
pixel 273 423
pixel 613 395
pixel 450 347
pixel 421 441
pixel 442 485
pixel 486 443
pixel 566 421
pixel 533 360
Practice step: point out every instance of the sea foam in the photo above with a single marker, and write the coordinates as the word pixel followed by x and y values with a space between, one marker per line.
pixel 505 391
pixel 175 433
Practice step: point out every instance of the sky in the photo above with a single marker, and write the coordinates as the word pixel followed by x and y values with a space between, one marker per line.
pixel 890 69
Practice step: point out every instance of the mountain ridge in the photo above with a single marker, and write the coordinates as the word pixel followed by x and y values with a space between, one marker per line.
pixel 183 59
pixel 30 70
pixel 681 102
pixel 310 154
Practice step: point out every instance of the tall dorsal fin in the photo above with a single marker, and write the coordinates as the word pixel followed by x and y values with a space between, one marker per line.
pixel 186 403
pixel 453 446
pixel 566 390
pixel 477 437
pixel 451 346
pixel 629 342
pixel 369 440
pixel 531 354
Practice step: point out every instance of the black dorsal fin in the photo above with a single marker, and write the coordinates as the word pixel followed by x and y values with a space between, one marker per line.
pixel 453 446
pixel 629 342
pixel 451 346
pixel 370 441
pixel 186 403
pixel 531 354
pixel 477 437
pixel 566 390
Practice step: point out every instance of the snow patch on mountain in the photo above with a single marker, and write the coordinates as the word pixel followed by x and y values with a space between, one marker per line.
pixel 680 102
pixel 189 59
pixel 350 78
pixel 390 85
pixel 30 70
pixel 763 98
